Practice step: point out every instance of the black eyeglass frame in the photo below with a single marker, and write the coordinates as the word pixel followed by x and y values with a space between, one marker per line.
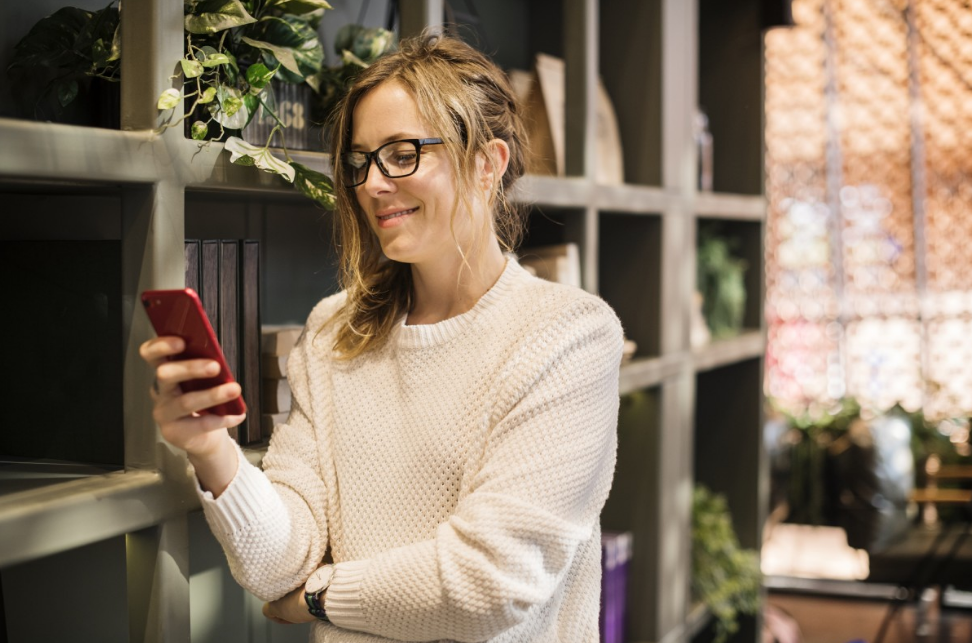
pixel 419 143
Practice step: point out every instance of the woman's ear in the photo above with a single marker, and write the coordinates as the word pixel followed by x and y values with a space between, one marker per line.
pixel 493 165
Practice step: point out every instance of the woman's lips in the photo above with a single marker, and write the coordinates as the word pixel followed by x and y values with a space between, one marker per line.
pixel 390 217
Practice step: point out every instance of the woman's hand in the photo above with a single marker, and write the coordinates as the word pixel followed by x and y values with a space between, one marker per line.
pixel 289 609
pixel 202 436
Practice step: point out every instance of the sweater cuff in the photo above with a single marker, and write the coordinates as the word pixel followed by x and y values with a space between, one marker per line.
pixel 238 506
pixel 342 602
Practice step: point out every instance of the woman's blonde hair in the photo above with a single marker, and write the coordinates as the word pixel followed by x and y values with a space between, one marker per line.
pixel 468 102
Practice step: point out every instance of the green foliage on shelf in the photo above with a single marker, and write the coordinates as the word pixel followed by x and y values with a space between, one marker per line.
pixel 234 49
pixel 60 56
pixel 720 280
pixel 725 577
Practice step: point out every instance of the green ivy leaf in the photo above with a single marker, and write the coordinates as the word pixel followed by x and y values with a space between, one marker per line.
pixel 240 151
pixel 116 44
pixel 199 131
pixel 229 109
pixel 66 92
pixel 212 16
pixel 100 53
pixel 52 42
pixel 314 185
pixel 251 103
pixel 215 59
pixel 298 6
pixel 231 105
pixel 284 55
pixel 207 96
pixel 258 75
pixel 169 99
pixel 291 42
pixel 191 68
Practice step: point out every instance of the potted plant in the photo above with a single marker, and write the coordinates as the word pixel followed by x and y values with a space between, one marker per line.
pixel 725 577
pixel 66 68
pixel 237 51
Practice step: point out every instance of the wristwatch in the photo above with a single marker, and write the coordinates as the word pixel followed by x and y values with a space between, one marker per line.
pixel 314 590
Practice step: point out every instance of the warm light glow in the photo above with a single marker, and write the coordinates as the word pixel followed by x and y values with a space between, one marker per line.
pixel 869 187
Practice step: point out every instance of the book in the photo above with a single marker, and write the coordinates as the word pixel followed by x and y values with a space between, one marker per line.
pixel 209 280
pixel 274 367
pixel 276 396
pixel 228 297
pixel 615 556
pixel 279 339
pixel 192 265
pixel 542 96
pixel 250 336
pixel 558 263
pixel 271 420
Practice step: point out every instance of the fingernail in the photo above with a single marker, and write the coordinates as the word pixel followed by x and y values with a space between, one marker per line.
pixel 212 368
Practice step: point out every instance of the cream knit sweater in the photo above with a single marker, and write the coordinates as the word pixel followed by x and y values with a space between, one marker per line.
pixel 457 474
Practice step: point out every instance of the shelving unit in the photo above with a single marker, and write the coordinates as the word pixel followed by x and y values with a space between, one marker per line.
pixel 687 414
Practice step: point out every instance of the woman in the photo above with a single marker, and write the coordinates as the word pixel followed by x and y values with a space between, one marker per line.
pixel 452 439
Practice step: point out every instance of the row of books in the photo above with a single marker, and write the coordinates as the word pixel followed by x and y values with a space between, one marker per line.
pixel 277 344
pixel 615 556
pixel 226 274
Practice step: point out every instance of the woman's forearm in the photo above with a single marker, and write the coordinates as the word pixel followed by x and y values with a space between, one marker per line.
pixel 216 470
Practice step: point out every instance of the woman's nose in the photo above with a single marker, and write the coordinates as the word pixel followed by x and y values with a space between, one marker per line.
pixel 376 182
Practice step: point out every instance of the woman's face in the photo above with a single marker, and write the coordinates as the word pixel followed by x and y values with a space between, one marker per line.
pixel 410 215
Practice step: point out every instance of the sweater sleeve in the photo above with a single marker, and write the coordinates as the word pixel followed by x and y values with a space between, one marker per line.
pixel 546 471
pixel 272 524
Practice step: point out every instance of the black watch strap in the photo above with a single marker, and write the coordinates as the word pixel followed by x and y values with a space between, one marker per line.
pixel 314 605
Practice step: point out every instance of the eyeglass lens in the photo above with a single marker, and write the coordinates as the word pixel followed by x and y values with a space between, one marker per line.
pixel 395 160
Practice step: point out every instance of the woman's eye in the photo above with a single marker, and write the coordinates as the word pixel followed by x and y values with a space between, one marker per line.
pixel 405 158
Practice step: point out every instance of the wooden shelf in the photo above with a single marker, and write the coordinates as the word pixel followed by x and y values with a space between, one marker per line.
pixel 730 206
pixel 59 153
pixel 647 372
pixel 58 517
pixel 748 345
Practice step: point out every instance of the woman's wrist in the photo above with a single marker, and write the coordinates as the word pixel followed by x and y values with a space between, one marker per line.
pixel 216 469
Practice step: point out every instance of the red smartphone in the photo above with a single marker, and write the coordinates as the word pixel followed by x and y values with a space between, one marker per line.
pixel 180 313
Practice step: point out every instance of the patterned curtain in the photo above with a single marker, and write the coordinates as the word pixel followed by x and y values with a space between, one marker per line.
pixel 869 188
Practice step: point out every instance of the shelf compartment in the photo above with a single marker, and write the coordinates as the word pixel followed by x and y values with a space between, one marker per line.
pixel 724 352
pixel 628 33
pixel 634 504
pixel 729 429
pixel 730 60
pixel 297 263
pixel 715 205
pixel 55 518
pixel 629 270
pixel 93 583
pixel 745 242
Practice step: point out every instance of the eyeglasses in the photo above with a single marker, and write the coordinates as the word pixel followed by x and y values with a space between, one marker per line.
pixel 395 160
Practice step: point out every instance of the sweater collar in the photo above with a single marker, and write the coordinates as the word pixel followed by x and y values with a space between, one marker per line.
pixel 426 335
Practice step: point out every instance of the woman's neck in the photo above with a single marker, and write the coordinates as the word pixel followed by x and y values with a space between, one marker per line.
pixel 452 287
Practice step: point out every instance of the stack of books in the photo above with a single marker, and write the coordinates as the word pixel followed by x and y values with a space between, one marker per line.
pixel 226 275
pixel 615 555
pixel 277 342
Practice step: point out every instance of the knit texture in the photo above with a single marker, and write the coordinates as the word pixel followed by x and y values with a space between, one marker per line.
pixel 456 474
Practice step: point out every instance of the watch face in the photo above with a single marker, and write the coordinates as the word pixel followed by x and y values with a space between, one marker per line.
pixel 319 580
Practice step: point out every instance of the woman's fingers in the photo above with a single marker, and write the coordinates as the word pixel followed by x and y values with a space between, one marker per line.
pixel 170 374
pixel 172 406
pixel 156 350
